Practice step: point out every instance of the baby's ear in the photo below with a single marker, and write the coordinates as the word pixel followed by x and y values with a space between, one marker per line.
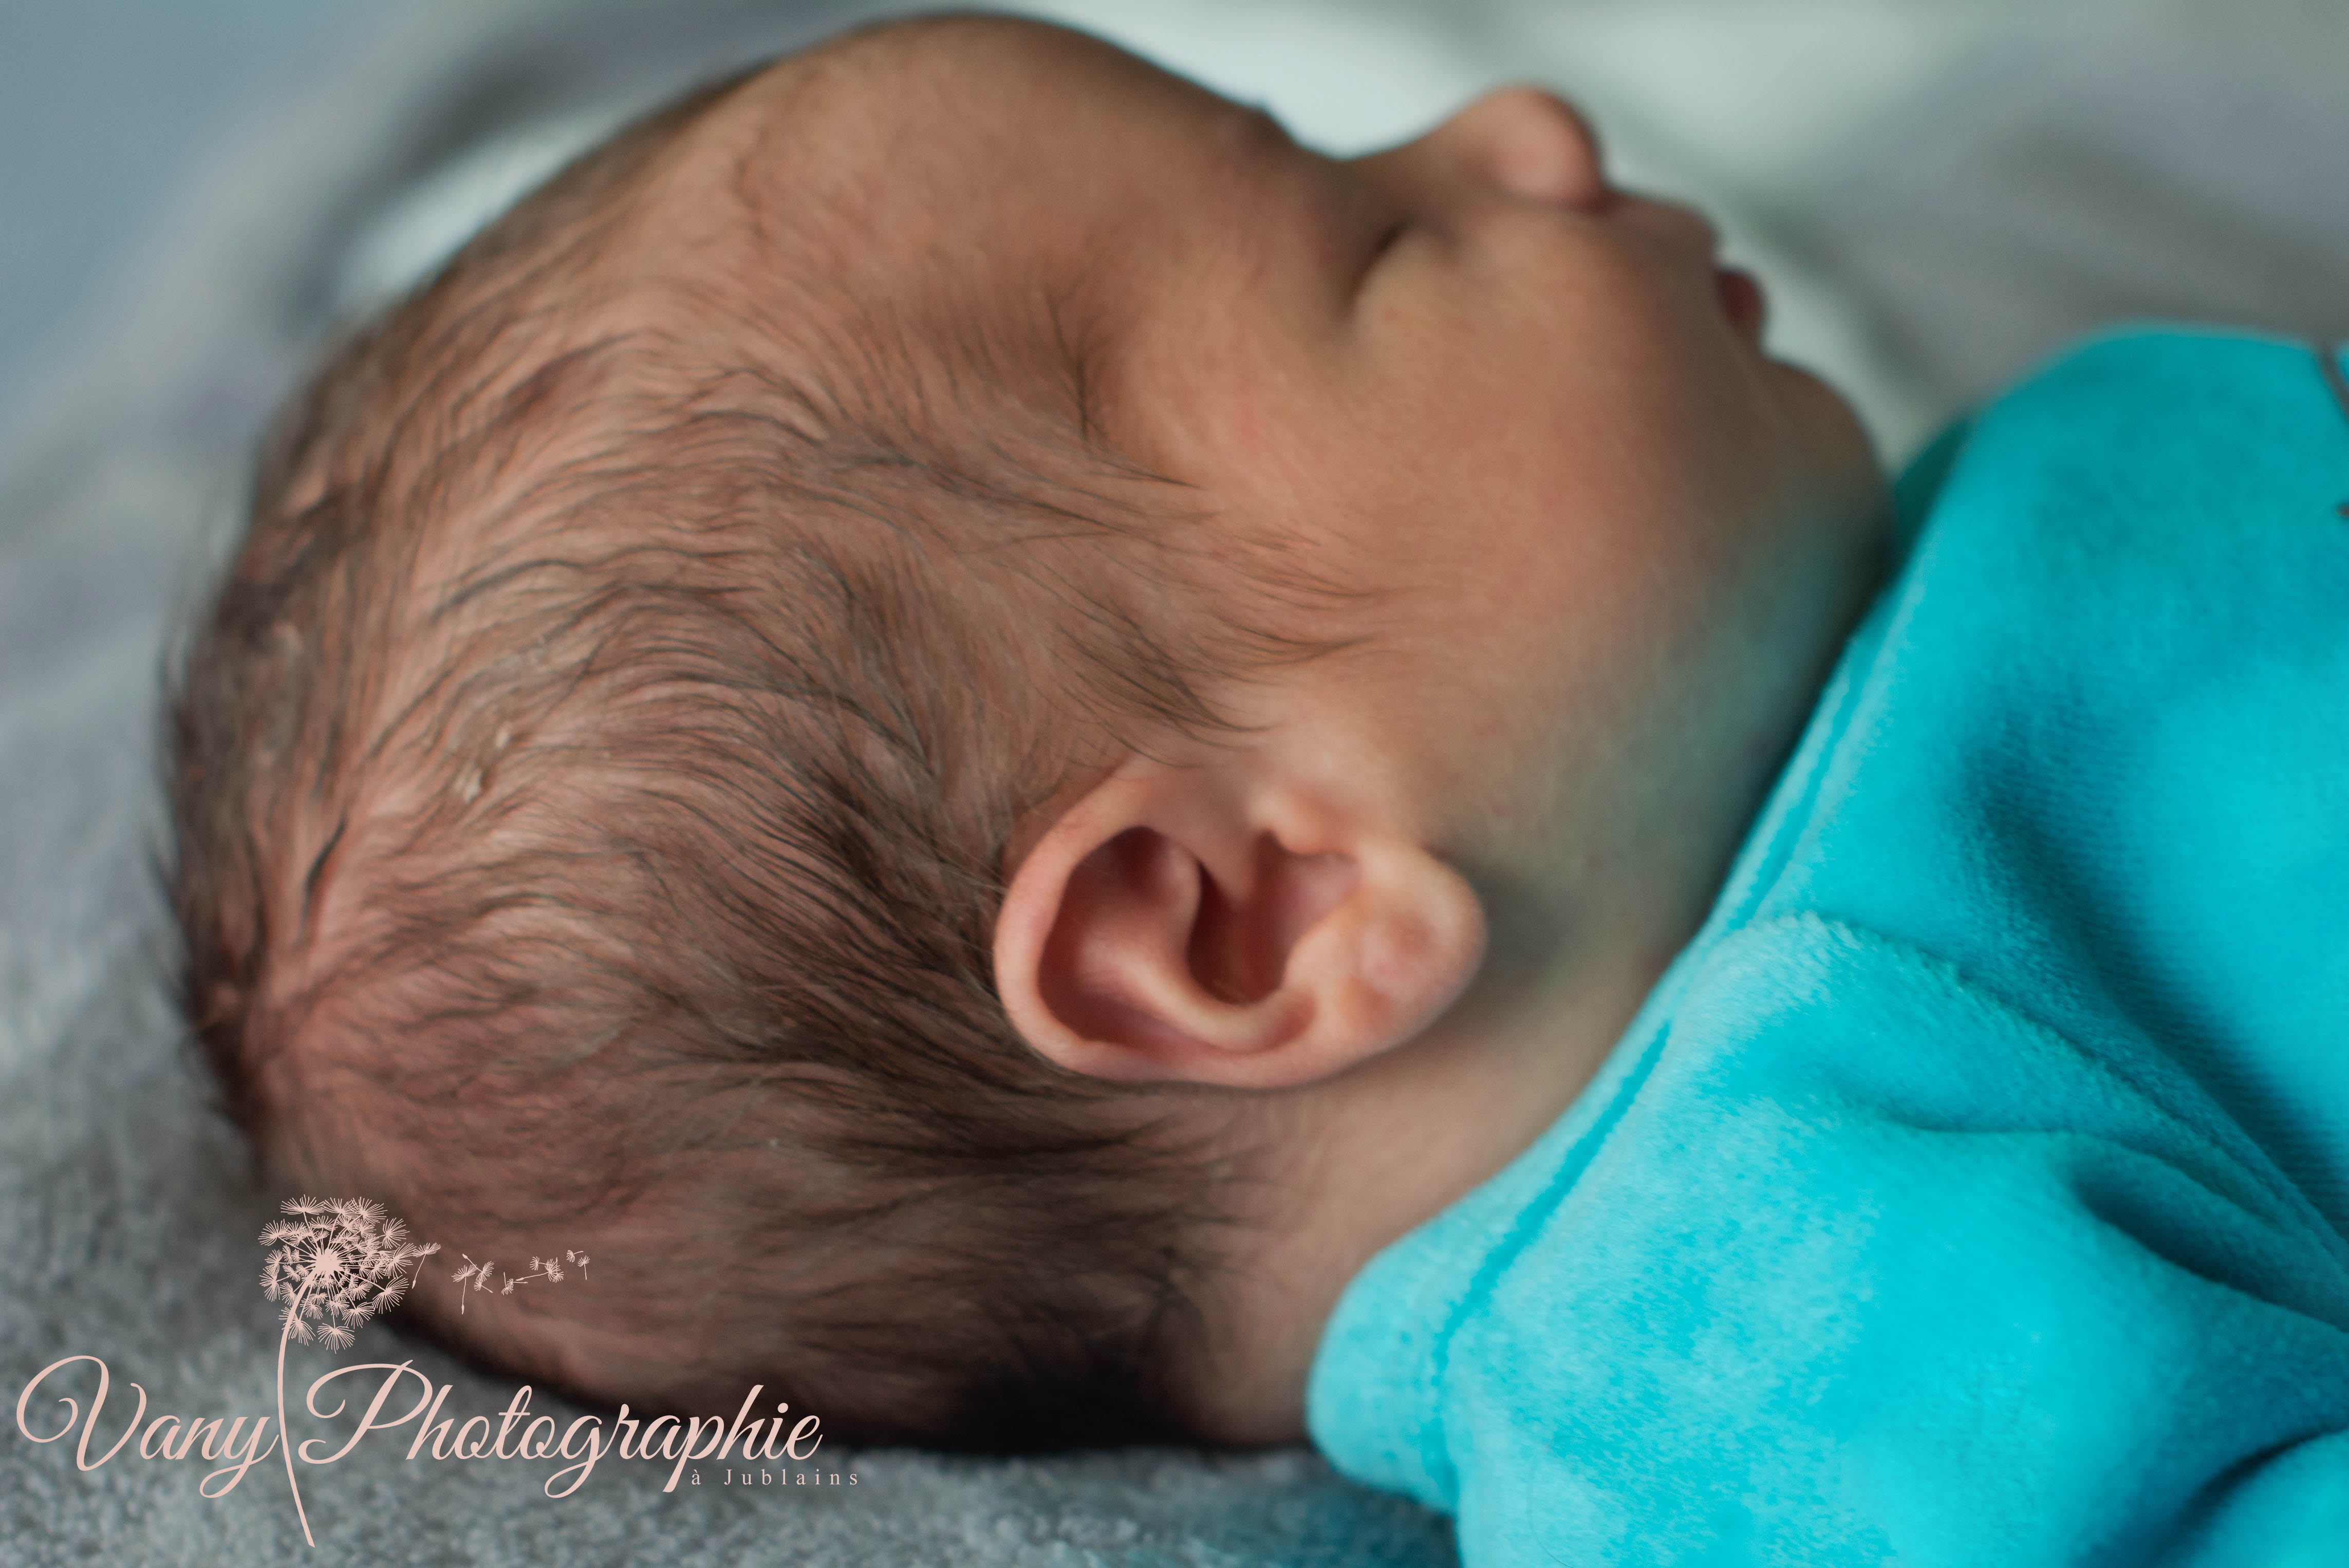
pixel 1175 924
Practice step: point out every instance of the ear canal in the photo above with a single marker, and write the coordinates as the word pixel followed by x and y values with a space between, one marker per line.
pixel 1152 935
pixel 1241 940
pixel 1152 949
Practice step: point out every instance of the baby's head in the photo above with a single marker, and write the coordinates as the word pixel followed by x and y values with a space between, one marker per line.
pixel 979 722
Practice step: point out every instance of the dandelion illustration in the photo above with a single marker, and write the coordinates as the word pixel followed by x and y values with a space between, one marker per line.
pixel 334 1263
pixel 546 1269
pixel 472 1277
pixel 475 1276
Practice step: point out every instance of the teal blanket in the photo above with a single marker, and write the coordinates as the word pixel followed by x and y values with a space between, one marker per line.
pixel 1972 1189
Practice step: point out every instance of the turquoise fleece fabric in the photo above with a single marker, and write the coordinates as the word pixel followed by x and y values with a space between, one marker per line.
pixel 1972 1189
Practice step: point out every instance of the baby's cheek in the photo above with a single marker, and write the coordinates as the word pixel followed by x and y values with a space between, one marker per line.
pixel 1229 418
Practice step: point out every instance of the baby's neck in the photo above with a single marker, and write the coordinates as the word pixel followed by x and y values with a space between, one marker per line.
pixel 1352 1163
pixel 1578 934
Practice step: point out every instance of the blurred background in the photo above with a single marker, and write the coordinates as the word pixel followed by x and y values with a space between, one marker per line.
pixel 1936 191
pixel 104 104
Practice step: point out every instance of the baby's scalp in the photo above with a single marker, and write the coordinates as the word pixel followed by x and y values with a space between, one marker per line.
pixel 592 787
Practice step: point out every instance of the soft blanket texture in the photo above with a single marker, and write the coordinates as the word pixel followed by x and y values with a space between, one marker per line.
pixel 1972 1189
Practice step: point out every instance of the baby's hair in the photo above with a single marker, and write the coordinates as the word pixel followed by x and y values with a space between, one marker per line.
pixel 591 788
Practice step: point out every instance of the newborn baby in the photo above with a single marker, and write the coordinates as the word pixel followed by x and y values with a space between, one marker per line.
pixel 1062 773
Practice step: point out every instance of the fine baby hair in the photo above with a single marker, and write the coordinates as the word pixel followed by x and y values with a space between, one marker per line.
pixel 592 781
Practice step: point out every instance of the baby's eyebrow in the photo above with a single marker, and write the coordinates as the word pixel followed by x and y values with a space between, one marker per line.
pixel 1299 198
pixel 1350 234
pixel 1291 216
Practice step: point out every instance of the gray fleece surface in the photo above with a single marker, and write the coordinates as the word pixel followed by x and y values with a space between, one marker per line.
pixel 2125 161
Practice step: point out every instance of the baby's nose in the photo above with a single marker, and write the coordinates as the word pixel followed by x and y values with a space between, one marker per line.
pixel 1529 144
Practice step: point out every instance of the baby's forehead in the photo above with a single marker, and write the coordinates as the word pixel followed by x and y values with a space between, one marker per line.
pixel 956 120
pixel 814 161
pixel 875 100
pixel 983 210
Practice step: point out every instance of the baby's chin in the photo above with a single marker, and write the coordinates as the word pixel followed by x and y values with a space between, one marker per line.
pixel 1840 478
